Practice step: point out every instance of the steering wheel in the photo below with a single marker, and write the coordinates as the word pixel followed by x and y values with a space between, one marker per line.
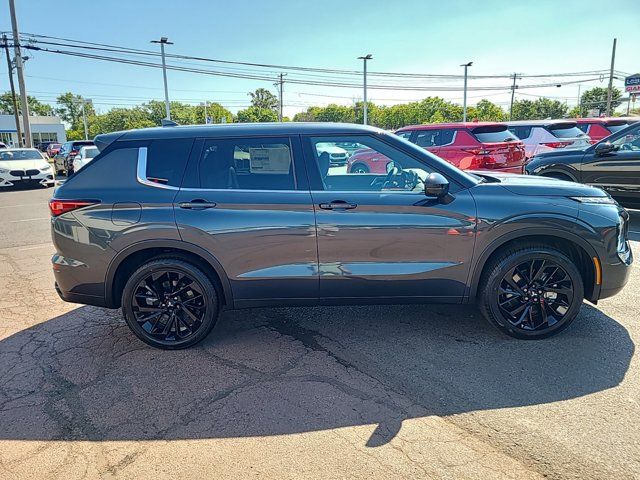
pixel 626 146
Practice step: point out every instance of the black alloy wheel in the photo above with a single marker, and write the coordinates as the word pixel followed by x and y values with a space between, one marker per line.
pixel 535 294
pixel 170 304
pixel 531 292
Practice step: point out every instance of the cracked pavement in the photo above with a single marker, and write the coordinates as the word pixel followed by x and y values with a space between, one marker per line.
pixel 341 392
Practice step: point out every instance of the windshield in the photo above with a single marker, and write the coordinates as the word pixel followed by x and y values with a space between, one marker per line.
pixel 565 130
pixel 20 155
pixel 494 134
pixel 616 127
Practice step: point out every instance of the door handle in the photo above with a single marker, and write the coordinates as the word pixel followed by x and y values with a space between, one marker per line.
pixel 197 204
pixel 338 205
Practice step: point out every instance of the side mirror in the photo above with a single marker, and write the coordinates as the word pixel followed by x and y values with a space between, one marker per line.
pixel 436 186
pixel 603 148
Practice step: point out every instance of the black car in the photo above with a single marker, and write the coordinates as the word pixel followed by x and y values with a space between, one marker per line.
pixel 612 164
pixel 63 161
pixel 174 224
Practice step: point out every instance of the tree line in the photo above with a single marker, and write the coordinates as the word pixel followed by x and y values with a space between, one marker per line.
pixel 264 108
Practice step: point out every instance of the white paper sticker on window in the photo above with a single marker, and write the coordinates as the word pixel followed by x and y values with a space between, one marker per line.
pixel 270 160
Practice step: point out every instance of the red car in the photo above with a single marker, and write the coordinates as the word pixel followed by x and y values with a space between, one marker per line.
pixel 469 146
pixel 599 128
pixel 53 149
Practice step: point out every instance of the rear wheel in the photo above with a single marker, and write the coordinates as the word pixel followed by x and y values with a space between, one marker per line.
pixel 531 292
pixel 170 304
pixel 359 168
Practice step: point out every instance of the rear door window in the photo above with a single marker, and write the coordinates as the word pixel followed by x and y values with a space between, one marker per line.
pixel 493 134
pixel 434 138
pixel 247 164
pixel 166 160
pixel 565 130
pixel 406 134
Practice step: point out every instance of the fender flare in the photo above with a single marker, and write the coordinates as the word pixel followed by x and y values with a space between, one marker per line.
pixel 166 243
pixel 559 169
pixel 527 232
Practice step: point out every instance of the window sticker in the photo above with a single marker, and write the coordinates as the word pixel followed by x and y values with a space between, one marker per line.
pixel 273 160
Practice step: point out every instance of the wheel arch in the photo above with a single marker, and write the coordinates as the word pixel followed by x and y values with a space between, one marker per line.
pixel 578 249
pixel 130 258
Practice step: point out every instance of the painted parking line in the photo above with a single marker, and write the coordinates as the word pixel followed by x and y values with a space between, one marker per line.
pixel 25 205
pixel 29 219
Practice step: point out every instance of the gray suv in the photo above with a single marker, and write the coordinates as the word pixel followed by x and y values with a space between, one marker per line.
pixel 174 224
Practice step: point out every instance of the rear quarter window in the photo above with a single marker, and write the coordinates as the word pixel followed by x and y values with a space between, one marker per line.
pixel 167 159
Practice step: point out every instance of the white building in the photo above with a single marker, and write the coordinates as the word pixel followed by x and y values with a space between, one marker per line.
pixel 43 129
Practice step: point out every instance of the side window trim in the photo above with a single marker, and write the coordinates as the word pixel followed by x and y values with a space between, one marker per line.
pixel 141 172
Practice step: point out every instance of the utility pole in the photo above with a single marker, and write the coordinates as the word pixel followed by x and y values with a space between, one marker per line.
pixel 16 114
pixel 281 102
pixel 610 89
pixel 19 70
pixel 579 101
pixel 513 93
pixel 84 121
pixel 464 102
pixel 164 41
pixel 364 72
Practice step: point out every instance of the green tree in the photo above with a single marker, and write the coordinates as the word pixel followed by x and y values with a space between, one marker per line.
pixel 35 106
pixel 538 109
pixel 263 98
pixel 486 111
pixel 214 110
pixel 256 114
pixel 596 99
pixel 70 108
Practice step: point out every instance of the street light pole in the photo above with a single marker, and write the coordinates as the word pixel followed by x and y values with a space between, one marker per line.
pixel 19 70
pixel 610 88
pixel 164 41
pixel 464 102
pixel 364 71
pixel 513 93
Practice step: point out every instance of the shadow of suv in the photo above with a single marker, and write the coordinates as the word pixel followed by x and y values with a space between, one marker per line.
pixel 174 224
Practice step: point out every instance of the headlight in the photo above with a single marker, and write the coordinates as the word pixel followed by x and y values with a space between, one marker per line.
pixel 46 169
pixel 623 246
pixel 596 200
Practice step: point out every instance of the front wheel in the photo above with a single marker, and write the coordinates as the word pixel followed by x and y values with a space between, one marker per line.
pixel 170 304
pixel 531 292
pixel 359 168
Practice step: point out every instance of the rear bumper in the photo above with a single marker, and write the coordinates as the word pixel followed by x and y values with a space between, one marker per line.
pixel 97 301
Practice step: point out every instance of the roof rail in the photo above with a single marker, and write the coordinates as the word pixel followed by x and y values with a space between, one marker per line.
pixel 168 123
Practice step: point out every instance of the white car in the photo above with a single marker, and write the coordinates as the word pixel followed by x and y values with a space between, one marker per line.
pixel 541 136
pixel 337 155
pixel 84 156
pixel 24 166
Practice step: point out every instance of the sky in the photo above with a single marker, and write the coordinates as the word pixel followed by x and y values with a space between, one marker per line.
pixel 412 36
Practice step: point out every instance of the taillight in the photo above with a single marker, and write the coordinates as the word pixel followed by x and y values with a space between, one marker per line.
pixel 556 144
pixel 476 151
pixel 58 207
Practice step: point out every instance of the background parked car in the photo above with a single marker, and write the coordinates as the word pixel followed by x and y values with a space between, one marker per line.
pixel 337 155
pixel 63 161
pixel 83 157
pixel 471 145
pixel 53 149
pixel 612 164
pixel 2 145
pixel 546 135
pixel 24 167
pixel 599 128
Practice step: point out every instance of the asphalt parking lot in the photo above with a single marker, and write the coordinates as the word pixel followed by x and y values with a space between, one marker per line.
pixel 344 392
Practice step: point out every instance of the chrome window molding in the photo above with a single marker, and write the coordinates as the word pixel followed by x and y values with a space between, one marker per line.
pixel 141 172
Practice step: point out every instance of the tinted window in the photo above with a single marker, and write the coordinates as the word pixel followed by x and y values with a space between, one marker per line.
pixel 521 131
pixel 629 141
pixel 166 160
pixel 616 127
pixel 434 138
pixel 373 166
pixel 584 127
pixel 406 134
pixel 493 134
pixel 250 164
pixel 77 145
pixel 564 130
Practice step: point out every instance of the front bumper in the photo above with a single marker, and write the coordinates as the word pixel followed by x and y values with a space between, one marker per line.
pixel 615 275
pixel 44 180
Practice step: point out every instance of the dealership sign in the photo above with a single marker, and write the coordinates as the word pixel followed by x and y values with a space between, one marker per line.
pixel 632 83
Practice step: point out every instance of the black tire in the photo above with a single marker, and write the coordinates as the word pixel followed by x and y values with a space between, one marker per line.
pixel 359 168
pixel 175 311
pixel 555 308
